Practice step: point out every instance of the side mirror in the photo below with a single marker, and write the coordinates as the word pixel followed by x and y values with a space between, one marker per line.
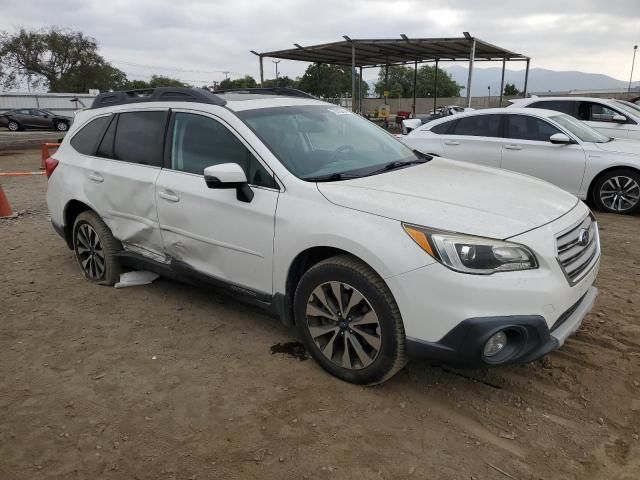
pixel 229 175
pixel 560 138
pixel 619 118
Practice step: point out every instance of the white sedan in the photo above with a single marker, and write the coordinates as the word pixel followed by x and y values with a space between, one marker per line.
pixel 542 143
pixel 611 117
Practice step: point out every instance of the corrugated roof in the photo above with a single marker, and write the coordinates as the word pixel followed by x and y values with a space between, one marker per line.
pixel 378 52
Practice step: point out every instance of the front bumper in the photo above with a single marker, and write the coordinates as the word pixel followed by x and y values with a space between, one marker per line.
pixel 529 338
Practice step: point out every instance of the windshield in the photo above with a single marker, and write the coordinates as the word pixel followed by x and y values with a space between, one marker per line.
pixel 629 107
pixel 581 130
pixel 315 141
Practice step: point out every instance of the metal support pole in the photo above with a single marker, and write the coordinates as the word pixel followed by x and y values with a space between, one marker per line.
pixel 415 82
pixel 318 79
pixel 386 78
pixel 504 66
pixel 635 48
pixel 276 62
pixel 360 93
pixel 261 72
pixel 353 76
pixel 526 79
pixel 472 59
pixel 435 94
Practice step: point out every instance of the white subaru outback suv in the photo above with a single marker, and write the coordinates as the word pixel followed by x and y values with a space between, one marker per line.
pixel 375 252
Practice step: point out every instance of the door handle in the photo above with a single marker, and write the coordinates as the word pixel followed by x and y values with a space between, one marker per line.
pixel 96 177
pixel 513 147
pixel 451 142
pixel 169 196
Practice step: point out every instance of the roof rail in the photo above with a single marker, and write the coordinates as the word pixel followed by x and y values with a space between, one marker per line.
pixel 159 94
pixel 285 91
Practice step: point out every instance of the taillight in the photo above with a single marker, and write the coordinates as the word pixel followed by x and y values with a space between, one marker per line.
pixel 50 165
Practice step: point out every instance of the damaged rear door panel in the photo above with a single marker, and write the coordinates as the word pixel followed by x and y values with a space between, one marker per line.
pixel 121 179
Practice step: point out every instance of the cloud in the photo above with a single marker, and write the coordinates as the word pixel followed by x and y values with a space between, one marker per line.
pixel 216 36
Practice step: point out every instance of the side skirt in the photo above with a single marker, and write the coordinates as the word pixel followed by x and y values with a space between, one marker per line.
pixel 181 272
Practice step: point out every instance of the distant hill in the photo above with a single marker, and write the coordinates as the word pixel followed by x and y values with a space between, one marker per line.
pixel 540 80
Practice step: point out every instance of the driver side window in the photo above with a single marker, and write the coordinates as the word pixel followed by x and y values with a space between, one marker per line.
pixel 596 112
pixel 524 127
pixel 199 142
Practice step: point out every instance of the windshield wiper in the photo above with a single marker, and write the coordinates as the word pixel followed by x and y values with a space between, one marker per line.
pixel 332 177
pixel 399 164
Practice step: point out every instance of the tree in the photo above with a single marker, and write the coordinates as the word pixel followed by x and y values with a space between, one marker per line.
pixel 329 81
pixel 510 90
pixel 156 81
pixel 245 82
pixel 400 82
pixel 63 60
pixel 282 82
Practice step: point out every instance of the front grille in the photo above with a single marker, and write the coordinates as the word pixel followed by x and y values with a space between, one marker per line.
pixel 576 257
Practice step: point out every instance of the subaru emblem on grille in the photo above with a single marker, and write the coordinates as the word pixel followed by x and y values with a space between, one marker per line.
pixel 583 237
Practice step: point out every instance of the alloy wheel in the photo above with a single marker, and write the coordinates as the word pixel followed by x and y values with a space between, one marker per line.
pixel 13 126
pixel 620 193
pixel 343 325
pixel 62 127
pixel 90 252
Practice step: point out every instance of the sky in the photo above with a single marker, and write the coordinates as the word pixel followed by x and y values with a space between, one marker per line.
pixel 198 41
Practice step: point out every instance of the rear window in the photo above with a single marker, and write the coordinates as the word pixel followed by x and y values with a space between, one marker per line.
pixel 442 128
pixel 140 137
pixel 478 126
pixel 564 106
pixel 86 140
pixel 106 145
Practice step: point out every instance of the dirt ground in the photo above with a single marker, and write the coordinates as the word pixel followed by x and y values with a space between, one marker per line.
pixel 169 382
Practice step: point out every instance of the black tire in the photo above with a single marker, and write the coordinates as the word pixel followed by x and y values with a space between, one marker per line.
pixel 626 199
pixel 390 356
pixel 13 126
pixel 61 126
pixel 109 247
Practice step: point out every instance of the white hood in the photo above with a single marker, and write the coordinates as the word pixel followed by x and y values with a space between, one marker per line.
pixel 455 196
pixel 620 146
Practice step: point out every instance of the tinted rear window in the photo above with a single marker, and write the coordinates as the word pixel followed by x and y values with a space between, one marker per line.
pixel 86 140
pixel 478 126
pixel 140 137
pixel 442 128
pixel 106 145
pixel 564 106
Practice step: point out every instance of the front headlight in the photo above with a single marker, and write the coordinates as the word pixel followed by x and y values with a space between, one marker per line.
pixel 469 254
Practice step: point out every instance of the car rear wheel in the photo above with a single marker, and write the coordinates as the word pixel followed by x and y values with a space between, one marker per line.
pixel 13 126
pixel 618 191
pixel 349 321
pixel 95 249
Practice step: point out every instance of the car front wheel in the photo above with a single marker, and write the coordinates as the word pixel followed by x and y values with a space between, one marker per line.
pixel 618 191
pixel 13 126
pixel 62 126
pixel 96 248
pixel 349 321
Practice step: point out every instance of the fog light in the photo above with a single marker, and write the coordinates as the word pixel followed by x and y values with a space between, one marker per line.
pixel 495 344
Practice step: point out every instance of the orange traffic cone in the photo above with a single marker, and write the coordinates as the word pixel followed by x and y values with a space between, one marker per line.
pixel 5 207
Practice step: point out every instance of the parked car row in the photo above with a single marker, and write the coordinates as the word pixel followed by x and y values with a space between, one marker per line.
pixel 413 123
pixel 27 118
pixel 374 250
pixel 545 144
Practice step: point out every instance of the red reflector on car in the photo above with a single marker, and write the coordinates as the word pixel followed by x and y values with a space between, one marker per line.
pixel 50 165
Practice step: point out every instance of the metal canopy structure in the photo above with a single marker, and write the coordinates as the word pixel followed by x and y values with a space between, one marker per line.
pixel 373 53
